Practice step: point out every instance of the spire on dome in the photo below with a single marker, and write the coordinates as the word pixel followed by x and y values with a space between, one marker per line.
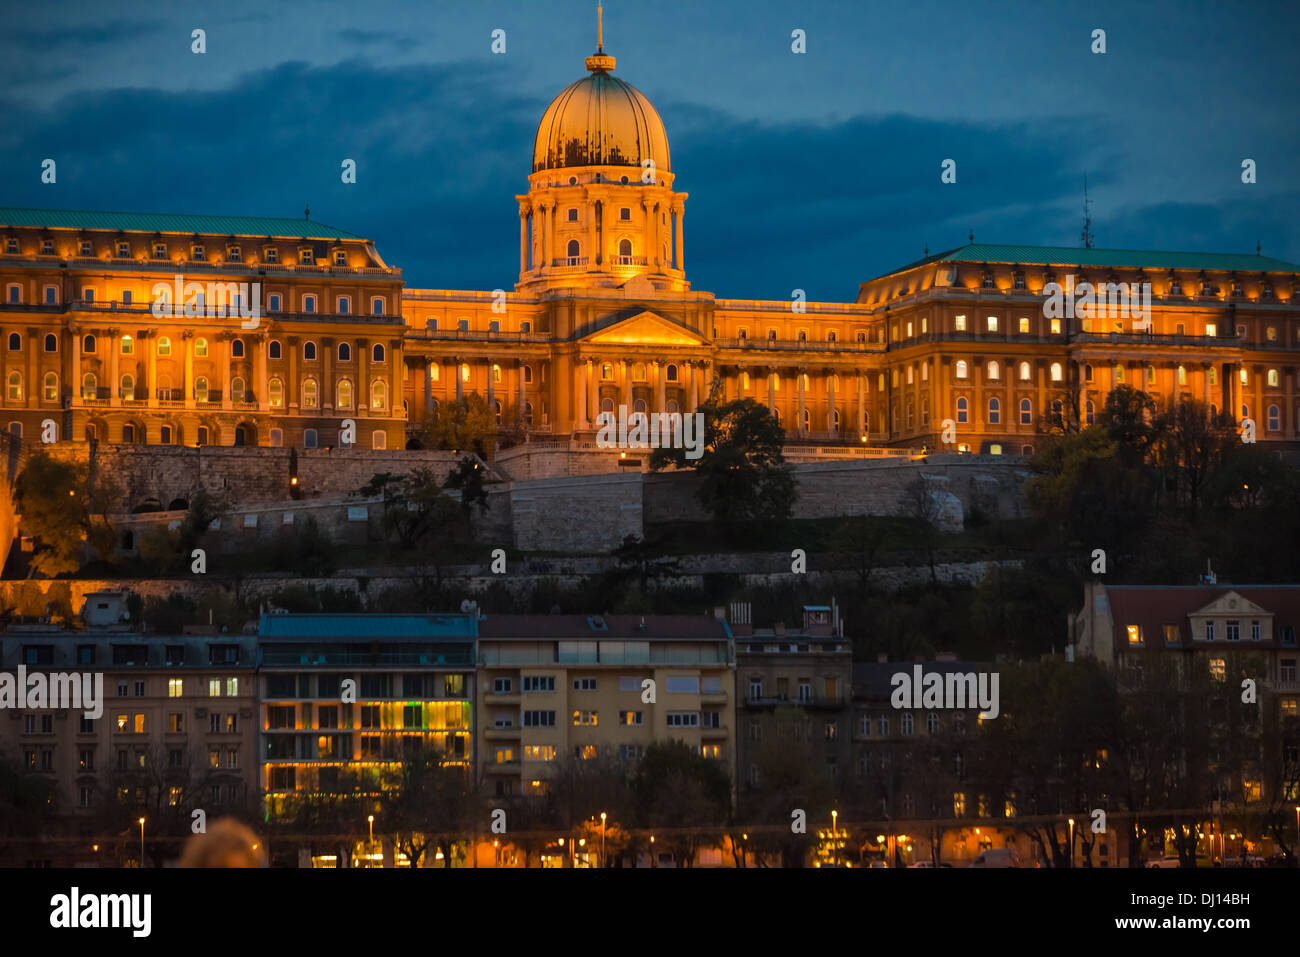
pixel 601 62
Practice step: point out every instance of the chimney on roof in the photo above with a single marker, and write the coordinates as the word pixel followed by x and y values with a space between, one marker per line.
pixel 1209 578
pixel 742 623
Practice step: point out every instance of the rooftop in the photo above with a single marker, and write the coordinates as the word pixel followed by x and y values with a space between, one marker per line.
pixel 363 627
pixel 1077 256
pixel 607 627
pixel 177 223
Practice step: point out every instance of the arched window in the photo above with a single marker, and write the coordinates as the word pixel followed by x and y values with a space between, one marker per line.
pixel 638 372
pixel 992 369
pixel 962 409
pixel 51 342
pixel 377 353
pixel 435 372
pixel 1056 372
pixel 496 410
pixel 574 248
pixel 1057 408
pixel 925 411
pixel 909 375
pixel 670 373
pixel 309 350
pixel 464 372
pixel 1272 378
pixel 379 439
pixel 164 347
pixel 345 352
pixel 51 387
pixel 89 386
pixel 275 392
pixel 862 337
pixel 309 440
pixel 237 389
pixel 165 387
pixel 236 348
pixel 1026 412
pixel 274 349
pixel 528 374
pixel 638 405
pixel 607 404
pixel 625 248
pixel 345 394
pixel 1089 413
pixel 1119 374
pixel 1274 419
pixel 378 395
pixel 803 335
pixel 277 438
pixel 127 387
pixel 961 368
pixel 995 411
pixel 496 372
pixel 127 346
pixel 200 348
pixel 1087 372
pixel 15 342
pixel 201 389
pixel 805 420
pixel 1214 376
pixel 771 335
pixel 1182 375
pixel 528 413
pixel 88 345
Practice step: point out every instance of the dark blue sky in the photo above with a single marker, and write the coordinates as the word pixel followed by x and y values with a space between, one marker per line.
pixel 813 171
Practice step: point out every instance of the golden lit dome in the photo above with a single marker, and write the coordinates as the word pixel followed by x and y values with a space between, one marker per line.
pixel 600 121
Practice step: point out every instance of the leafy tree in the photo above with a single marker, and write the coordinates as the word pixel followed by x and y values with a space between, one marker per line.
pixel 791 774
pixel 468 478
pixel 468 425
pixel 431 802
pixel 64 513
pixel 415 506
pixel 27 805
pixel 744 476
pixel 677 787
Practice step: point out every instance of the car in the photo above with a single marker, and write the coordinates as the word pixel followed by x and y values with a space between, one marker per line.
pixel 997 857
pixel 930 864
pixel 1169 860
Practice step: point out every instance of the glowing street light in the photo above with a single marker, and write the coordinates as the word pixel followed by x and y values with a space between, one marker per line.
pixel 371 821
pixel 602 838
pixel 1071 842
pixel 142 842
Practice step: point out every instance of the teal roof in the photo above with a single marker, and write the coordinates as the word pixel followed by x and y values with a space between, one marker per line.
pixel 368 626
pixel 186 223
pixel 1078 256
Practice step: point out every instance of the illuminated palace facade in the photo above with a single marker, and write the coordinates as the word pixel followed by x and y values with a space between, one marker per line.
pixel 603 315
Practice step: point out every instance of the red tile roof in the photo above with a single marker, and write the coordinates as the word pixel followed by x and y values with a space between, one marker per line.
pixel 1151 607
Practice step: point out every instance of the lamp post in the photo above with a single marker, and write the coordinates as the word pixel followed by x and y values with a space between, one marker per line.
pixel 654 862
pixel 142 842
pixel 602 838
pixel 1072 842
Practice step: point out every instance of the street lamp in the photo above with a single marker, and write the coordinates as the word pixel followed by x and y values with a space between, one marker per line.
pixel 1072 842
pixel 653 861
pixel 142 842
pixel 371 821
pixel 602 838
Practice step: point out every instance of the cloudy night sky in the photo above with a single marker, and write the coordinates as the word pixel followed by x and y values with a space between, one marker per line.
pixel 813 171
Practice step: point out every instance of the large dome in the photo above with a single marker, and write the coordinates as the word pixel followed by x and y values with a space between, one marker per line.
pixel 600 121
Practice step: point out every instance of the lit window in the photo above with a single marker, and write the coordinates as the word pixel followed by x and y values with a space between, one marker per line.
pixel 1134 634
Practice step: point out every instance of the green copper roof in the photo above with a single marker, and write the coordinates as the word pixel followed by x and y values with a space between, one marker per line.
pixel 185 223
pixel 1078 256
pixel 368 626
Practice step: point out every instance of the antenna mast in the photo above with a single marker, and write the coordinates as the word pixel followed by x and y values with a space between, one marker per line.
pixel 1087 215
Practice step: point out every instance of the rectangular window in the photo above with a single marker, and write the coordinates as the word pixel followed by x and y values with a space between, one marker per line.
pixel 539 752
pixel 585 718
pixel 1218 669
pixel 1233 631
pixel 539 719
pixel 174 687
pixel 1134 634
pixel 1209 631
pixel 584 684
pixel 629 717
pixel 683 719
pixel 1254 631
pixel 538 683
pixel 682 685
pixel 501 685
pixel 175 723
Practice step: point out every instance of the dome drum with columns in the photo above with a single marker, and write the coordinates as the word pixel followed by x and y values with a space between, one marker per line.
pixel 600 206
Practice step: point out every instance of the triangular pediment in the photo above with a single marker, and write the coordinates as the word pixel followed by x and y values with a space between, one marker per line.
pixel 645 328
pixel 1230 603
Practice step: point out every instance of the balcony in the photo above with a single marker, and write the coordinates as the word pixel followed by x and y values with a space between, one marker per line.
pixel 502 734
pixel 811 702
pixel 720 731
pixel 566 262
pixel 799 345
pixel 1153 339
pixel 629 261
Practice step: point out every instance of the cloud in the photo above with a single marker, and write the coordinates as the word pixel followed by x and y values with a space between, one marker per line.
pixel 365 38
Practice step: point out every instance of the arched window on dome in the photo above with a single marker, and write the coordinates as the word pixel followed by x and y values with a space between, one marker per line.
pixel 1026 412
pixel 625 251
pixel 670 373
pixel 961 368
pixel 574 251
pixel 963 407
pixel 995 411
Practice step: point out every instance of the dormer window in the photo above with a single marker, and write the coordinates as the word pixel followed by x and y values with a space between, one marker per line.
pixel 234 254
pixel 197 252
pixel 988 280
pixel 1266 290
pixel 1236 290
pixel 270 254
pixel 1019 280
pixel 11 246
pixel 85 248
pixel 47 247
pixel 306 256
pixel 123 250
pixel 159 250
pixel 340 257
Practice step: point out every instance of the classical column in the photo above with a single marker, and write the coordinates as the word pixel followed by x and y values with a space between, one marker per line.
pixel 598 237
pixel 76 366
pixel 771 390
pixel 152 346
pixel 523 239
pixel 591 232
pixel 625 368
pixel 293 388
pixel 260 377
pixel 491 385
pixel 523 391
pixel 661 390
pixel 223 342
pixel 799 374
pixel 188 337
pixel 593 389
pixel 862 404
pixel 695 385
pixel 460 382
pixel 1205 385
pixel 363 374
pixel 114 345
pixel 830 402
pixel 428 385
pixel 580 395
pixel 678 212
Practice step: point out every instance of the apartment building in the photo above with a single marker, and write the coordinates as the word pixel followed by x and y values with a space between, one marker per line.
pixel 177 730
pixel 553 685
